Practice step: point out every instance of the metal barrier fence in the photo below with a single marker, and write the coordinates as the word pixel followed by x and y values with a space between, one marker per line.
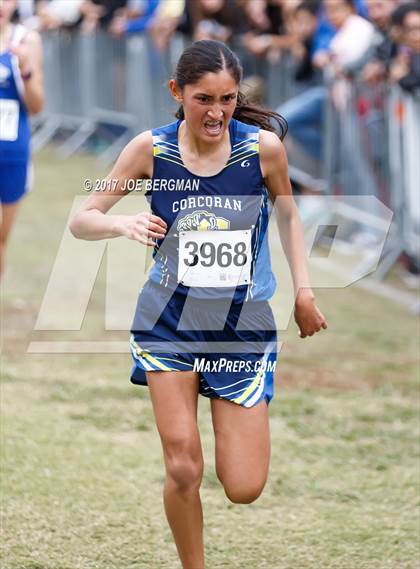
pixel 370 135
pixel 372 145
pixel 404 152
pixel 97 79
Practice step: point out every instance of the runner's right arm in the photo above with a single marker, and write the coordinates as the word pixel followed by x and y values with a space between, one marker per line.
pixel 91 221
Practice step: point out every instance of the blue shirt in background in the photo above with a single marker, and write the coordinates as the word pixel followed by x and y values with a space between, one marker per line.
pixel 141 23
pixel 326 31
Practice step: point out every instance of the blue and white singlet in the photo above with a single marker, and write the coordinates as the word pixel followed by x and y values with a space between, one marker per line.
pixel 234 199
pixel 14 124
pixel 205 306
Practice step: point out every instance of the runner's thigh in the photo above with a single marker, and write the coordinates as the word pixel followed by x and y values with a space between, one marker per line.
pixel 174 397
pixel 242 445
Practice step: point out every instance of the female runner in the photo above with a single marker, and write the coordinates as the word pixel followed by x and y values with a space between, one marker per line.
pixel 21 92
pixel 211 258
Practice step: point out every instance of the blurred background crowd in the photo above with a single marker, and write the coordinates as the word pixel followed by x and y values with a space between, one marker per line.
pixel 375 39
pixel 344 73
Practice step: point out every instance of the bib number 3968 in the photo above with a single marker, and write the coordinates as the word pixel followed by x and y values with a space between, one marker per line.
pixel 214 258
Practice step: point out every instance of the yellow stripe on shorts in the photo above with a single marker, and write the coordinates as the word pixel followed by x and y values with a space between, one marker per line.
pixel 253 387
pixel 144 354
pixel 155 361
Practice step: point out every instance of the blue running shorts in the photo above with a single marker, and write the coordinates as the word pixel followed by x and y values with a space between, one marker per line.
pixel 233 347
pixel 13 181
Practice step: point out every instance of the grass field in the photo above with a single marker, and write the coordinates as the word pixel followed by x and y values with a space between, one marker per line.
pixel 82 469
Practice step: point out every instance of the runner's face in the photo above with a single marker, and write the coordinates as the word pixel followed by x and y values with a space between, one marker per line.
pixel 7 8
pixel 209 104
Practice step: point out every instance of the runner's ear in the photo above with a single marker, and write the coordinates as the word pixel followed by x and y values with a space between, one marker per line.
pixel 175 91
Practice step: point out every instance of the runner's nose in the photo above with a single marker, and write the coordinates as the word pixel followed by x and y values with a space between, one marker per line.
pixel 215 113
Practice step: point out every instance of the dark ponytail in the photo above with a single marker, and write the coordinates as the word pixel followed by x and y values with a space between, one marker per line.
pixel 211 56
pixel 254 114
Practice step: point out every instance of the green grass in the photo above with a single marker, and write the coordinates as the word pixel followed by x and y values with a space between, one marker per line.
pixel 82 469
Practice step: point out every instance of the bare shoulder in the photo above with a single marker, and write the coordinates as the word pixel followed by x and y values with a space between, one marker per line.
pixel 137 157
pixel 142 143
pixel 272 153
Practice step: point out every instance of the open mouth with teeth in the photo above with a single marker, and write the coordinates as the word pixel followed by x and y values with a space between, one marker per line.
pixel 213 128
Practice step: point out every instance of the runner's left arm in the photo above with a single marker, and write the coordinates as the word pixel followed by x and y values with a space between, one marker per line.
pixel 274 168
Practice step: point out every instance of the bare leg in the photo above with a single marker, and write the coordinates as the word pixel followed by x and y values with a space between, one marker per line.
pixel 242 448
pixel 8 214
pixel 174 397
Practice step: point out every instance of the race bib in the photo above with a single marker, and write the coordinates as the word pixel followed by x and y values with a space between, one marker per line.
pixel 214 258
pixel 9 119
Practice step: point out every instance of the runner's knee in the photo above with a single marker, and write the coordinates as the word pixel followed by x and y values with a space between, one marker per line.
pixel 244 494
pixel 184 463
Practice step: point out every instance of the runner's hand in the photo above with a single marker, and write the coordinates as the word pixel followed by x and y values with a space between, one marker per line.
pixel 308 317
pixel 144 227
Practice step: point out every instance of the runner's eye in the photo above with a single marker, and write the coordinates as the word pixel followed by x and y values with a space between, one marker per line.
pixel 203 99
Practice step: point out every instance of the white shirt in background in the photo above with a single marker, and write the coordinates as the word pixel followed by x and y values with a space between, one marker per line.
pixel 352 40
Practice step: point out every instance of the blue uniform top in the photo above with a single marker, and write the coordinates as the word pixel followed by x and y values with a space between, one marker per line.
pixel 234 199
pixel 14 124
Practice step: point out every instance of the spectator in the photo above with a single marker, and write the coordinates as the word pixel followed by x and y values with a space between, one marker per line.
pixel 405 70
pixel 55 14
pixel 256 15
pixel 345 54
pixel 397 17
pixel 305 23
pixel 326 32
pixel 305 112
pixel 215 24
pixel 385 48
pixel 219 19
pixel 165 22
pixel 136 17
pixel 269 29
pixel 99 13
